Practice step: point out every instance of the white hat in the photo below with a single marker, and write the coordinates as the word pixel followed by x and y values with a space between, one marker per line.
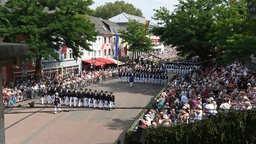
pixel 249 84
pixel 148 118
pixel 165 116
pixel 245 98
pixel 147 115
pixel 56 93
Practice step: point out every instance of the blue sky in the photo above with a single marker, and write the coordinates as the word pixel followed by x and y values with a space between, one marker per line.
pixel 146 6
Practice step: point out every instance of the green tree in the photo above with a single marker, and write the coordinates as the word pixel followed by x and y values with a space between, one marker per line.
pixel 4 24
pixel 112 9
pixel 48 25
pixel 236 32
pixel 203 28
pixel 136 35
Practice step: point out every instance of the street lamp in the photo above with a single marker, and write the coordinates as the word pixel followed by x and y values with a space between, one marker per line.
pixel 92 68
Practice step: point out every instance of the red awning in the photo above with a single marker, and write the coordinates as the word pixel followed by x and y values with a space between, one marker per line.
pixel 105 60
pixel 94 62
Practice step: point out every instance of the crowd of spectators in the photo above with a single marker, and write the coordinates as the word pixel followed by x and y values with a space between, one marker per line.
pixel 202 94
pixel 167 54
pixel 17 91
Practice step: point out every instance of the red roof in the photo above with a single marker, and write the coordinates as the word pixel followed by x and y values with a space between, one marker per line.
pixel 94 62
pixel 105 60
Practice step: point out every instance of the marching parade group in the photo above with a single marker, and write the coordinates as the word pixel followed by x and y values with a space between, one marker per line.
pixel 149 74
pixel 145 75
pixel 79 98
pixel 181 68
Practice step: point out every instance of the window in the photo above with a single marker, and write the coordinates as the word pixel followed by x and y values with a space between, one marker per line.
pixel 25 62
pixel 70 54
pixel 105 40
pixel 104 27
pixel 14 61
pixel 94 52
pixel 105 52
pixel 65 55
pixel 33 61
pixel 99 53
pixel 109 52
pixel 89 53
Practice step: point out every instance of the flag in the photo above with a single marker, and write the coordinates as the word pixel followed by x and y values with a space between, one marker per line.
pixel 120 53
pixel 117 41
pixel 125 49
pixel 146 22
pixel 102 46
pixel 64 49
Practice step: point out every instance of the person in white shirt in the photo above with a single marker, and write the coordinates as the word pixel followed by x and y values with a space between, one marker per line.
pixel 209 108
pixel 198 113
pixel 184 97
pixel 225 105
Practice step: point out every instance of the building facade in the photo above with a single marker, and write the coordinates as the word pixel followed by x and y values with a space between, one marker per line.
pixel 122 20
pixel 101 53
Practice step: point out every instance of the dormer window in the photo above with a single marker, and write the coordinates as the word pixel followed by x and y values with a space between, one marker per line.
pixel 104 27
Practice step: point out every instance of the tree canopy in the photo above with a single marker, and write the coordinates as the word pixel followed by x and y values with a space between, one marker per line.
pixel 112 9
pixel 48 25
pixel 207 29
pixel 136 35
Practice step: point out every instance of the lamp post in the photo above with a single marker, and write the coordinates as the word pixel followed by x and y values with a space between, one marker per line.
pixel 91 74
pixel 92 68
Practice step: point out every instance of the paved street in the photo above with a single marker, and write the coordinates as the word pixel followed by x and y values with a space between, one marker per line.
pixel 80 125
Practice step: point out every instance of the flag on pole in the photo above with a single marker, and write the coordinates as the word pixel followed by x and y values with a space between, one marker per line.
pixel 117 41
pixel 64 49
pixel 102 46
pixel 146 22
pixel 125 50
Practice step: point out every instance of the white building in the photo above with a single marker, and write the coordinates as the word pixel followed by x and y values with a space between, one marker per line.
pixel 122 20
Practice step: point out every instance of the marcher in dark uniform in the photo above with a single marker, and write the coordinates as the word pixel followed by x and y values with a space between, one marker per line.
pixel 112 101
pixel 108 99
pixel 56 103
pixel 99 100
pixel 131 79
pixel 90 98
pixel 94 99
pixel 104 100
pixel 85 98
pixel 79 96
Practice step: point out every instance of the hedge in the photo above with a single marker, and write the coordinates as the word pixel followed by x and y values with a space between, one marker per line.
pixel 236 127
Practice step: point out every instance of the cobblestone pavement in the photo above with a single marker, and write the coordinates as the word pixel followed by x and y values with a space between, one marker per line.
pixel 38 125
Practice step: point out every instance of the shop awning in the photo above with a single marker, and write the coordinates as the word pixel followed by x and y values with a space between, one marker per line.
pixel 105 60
pixel 94 62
